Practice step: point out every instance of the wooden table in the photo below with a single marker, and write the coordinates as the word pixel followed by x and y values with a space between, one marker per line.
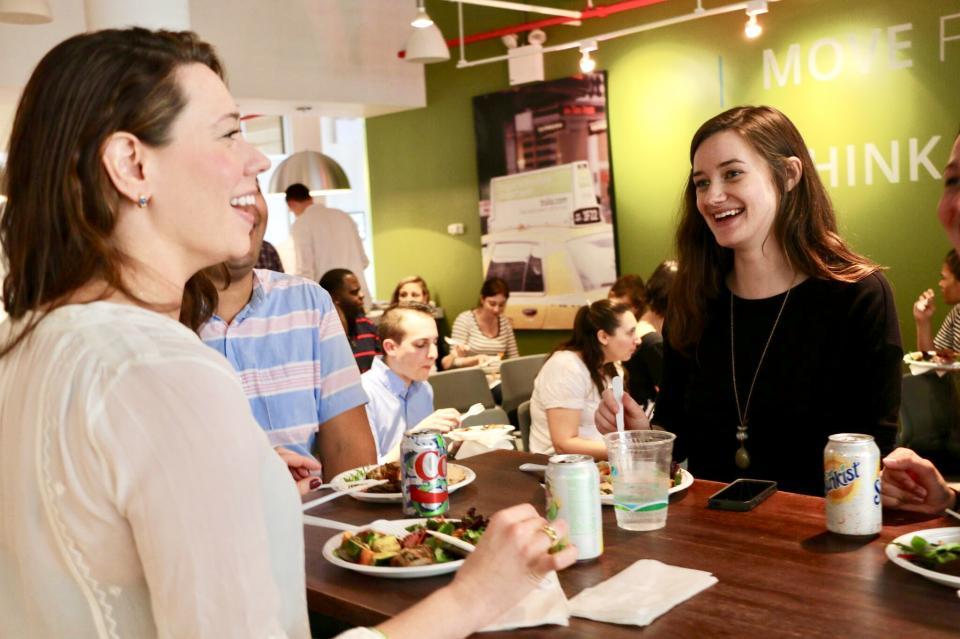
pixel 780 573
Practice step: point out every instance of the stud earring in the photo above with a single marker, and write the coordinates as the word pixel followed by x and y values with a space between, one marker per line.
pixel 142 201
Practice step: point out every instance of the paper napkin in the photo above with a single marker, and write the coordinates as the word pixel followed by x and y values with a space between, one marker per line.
pixel 640 593
pixel 546 605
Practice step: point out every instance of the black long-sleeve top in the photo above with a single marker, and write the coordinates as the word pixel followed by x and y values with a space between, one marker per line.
pixel 833 366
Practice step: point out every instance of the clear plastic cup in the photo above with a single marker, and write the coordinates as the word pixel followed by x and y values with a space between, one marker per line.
pixel 640 473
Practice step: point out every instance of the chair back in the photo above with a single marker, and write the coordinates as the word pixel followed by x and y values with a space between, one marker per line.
pixel 524 419
pixel 928 418
pixel 516 379
pixel 461 388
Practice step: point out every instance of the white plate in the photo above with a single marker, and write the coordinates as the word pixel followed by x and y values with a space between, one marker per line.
pixel 928 365
pixel 339 483
pixel 389 572
pixel 686 480
pixel 471 433
pixel 932 535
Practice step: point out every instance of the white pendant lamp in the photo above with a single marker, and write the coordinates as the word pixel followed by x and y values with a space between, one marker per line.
pixel 318 172
pixel 25 11
pixel 118 14
pixel 426 44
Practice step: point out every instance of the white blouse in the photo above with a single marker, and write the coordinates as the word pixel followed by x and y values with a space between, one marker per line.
pixel 138 496
pixel 563 382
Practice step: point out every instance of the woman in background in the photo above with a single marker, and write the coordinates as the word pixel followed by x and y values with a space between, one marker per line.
pixel 483 334
pixel 409 290
pixel 567 390
pixel 140 497
pixel 948 337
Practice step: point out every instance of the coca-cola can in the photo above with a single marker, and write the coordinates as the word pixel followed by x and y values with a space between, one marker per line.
pixel 851 478
pixel 423 457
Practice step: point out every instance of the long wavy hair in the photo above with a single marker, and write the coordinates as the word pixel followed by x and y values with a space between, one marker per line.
pixel 805 225
pixel 601 315
pixel 57 228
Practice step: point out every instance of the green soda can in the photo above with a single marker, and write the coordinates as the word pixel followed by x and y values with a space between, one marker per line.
pixel 573 495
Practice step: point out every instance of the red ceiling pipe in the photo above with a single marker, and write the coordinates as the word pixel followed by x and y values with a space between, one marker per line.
pixel 587 14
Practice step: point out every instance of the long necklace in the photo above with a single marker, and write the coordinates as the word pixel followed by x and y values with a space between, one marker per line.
pixel 742 458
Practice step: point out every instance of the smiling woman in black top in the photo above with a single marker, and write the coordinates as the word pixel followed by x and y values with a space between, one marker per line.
pixel 777 334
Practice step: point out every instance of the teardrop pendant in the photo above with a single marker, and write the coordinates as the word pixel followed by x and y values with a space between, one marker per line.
pixel 742 458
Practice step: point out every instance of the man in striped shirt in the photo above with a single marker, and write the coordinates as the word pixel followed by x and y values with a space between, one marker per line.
pixel 283 336
pixel 347 294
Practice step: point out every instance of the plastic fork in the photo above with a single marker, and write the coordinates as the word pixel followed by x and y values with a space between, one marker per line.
pixel 340 493
pixel 387 527
pixel 476 409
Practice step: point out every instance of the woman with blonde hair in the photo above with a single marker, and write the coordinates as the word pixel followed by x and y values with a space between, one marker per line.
pixel 411 289
pixel 777 334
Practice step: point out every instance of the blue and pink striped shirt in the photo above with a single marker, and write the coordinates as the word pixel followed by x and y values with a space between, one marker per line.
pixel 293 358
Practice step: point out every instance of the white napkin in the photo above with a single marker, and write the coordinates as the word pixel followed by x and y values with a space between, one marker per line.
pixel 481 446
pixel 920 370
pixel 546 605
pixel 640 593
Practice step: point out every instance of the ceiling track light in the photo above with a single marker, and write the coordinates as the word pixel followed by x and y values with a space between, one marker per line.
pixel 587 64
pixel 754 8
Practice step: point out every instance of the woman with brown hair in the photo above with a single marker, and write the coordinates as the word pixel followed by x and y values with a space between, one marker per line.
pixel 139 494
pixel 778 334
pixel 567 390
pixel 483 334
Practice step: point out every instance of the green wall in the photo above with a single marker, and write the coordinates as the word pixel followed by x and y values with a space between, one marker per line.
pixel 662 85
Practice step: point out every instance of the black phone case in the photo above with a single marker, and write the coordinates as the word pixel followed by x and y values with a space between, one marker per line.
pixel 741 506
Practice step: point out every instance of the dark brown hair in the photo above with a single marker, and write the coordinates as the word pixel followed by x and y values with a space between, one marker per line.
pixel 390 326
pixel 805 224
pixel 58 224
pixel 953 263
pixel 412 279
pixel 631 287
pixel 494 286
pixel 659 286
pixel 601 315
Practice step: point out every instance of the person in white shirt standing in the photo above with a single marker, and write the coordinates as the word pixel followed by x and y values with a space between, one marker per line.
pixel 324 238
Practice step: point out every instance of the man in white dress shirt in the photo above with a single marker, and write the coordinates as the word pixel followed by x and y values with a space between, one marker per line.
pixel 324 238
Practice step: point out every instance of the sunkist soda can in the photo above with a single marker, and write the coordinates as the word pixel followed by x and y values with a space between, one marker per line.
pixel 573 495
pixel 423 457
pixel 851 476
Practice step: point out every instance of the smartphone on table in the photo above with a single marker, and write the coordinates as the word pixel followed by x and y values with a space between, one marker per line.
pixel 742 494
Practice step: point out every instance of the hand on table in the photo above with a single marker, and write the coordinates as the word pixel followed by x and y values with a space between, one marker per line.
pixel 633 416
pixel 442 420
pixel 510 561
pixel 301 468
pixel 924 307
pixel 910 482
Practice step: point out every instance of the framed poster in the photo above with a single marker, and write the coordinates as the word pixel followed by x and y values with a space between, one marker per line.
pixel 546 197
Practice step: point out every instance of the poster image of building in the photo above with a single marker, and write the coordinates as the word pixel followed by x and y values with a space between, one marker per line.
pixel 546 197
